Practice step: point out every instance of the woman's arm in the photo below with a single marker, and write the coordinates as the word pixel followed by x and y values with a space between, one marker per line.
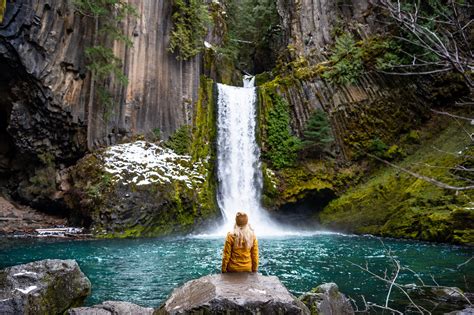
pixel 227 252
pixel 254 255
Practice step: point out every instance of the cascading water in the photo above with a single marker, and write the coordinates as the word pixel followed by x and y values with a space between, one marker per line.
pixel 238 157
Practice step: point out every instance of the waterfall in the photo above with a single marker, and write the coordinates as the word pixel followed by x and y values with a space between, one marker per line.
pixel 238 156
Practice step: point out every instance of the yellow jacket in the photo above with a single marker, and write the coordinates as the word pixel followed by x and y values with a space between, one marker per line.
pixel 239 259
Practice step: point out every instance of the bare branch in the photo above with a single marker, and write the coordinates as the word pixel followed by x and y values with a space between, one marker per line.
pixel 465 263
pixel 422 177
pixel 452 115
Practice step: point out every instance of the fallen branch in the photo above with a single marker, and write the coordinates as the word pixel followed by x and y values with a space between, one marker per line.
pixel 452 115
pixel 422 177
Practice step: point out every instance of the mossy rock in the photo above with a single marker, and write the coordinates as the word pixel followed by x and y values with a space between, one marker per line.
pixel 392 203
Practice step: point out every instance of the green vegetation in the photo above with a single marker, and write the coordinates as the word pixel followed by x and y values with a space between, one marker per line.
pixel 254 34
pixel 191 21
pixel 180 141
pixel 43 183
pixel 280 146
pixel 317 136
pixel 395 204
pixel 350 58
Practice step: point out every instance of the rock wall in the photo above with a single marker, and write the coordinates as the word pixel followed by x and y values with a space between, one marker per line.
pixel 47 105
pixel 372 107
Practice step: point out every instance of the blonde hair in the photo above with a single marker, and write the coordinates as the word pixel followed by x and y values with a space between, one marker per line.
pixel 244 236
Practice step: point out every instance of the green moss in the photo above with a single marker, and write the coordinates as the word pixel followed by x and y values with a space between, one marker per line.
pixel 279 146
pixel 191 20
pixel 180 141
pixel 307 178
pixel 391 203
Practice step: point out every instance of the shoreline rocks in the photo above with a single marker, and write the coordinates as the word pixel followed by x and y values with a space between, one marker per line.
pixel 326 299
pixel 111 308
pixel 233 293
pixel 49 286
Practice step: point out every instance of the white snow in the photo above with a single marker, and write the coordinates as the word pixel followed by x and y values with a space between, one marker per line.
pixel 144 163
pixel 28 290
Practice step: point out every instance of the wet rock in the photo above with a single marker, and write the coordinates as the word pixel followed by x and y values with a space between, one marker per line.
pixel 111 308
pixel 42 287
pixel 140 189
pixel 15 218
pixel 446 299
pixel 239 293
pixel 466 311
pixel 326 299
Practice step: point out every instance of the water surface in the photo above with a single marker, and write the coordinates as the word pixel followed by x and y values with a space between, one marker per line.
pixel 145 271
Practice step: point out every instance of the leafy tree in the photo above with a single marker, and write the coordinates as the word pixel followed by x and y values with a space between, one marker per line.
pixel 190 26
pixel 317 135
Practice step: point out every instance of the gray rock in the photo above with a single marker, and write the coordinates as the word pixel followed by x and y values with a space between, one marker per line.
pixel 42 287
pixel 238 293
pixel 466 311
pixel 111 308
pixel 327 300
pixel 446 299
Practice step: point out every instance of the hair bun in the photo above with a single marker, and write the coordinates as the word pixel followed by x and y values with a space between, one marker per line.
pixel 241 219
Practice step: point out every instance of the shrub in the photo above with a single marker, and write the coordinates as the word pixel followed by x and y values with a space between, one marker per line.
pixel 347 61
pixel 190 24
pixel 180 141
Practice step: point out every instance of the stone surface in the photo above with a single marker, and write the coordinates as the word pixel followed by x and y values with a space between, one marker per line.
pixel 46 112
pixel 140 189
pixel 446 299
pixel 45 43
pixel 42 287
pixel 326 299
pixel 238 293
pixel 111 308
pixel 20 219
pixel 466 311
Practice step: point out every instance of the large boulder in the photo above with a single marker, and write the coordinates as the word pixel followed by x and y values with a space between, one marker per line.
pixel 446 299
pixel 326 299
pixel 141 189
pixel 42 287
pixel 111 308
pixel 233 293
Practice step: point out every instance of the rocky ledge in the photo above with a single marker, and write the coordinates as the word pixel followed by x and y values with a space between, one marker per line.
pixel 42 287
pixel 239 293
pixel 111 308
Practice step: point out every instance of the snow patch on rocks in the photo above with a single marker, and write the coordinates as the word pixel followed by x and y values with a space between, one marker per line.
pixel 144 163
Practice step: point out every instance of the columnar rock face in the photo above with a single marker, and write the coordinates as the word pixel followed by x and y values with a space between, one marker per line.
pixel 161 90
pixel 238 293
pixel 373 106
pixel 45 99
pixel 42 287
pixel 309 24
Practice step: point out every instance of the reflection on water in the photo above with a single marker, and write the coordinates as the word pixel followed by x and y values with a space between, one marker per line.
pixel 145 271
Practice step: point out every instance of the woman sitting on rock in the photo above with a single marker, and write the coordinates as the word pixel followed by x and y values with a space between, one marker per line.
pixel 241 247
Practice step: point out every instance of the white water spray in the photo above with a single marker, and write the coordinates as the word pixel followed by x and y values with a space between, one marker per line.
pixel 238 164
pixel 238 157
